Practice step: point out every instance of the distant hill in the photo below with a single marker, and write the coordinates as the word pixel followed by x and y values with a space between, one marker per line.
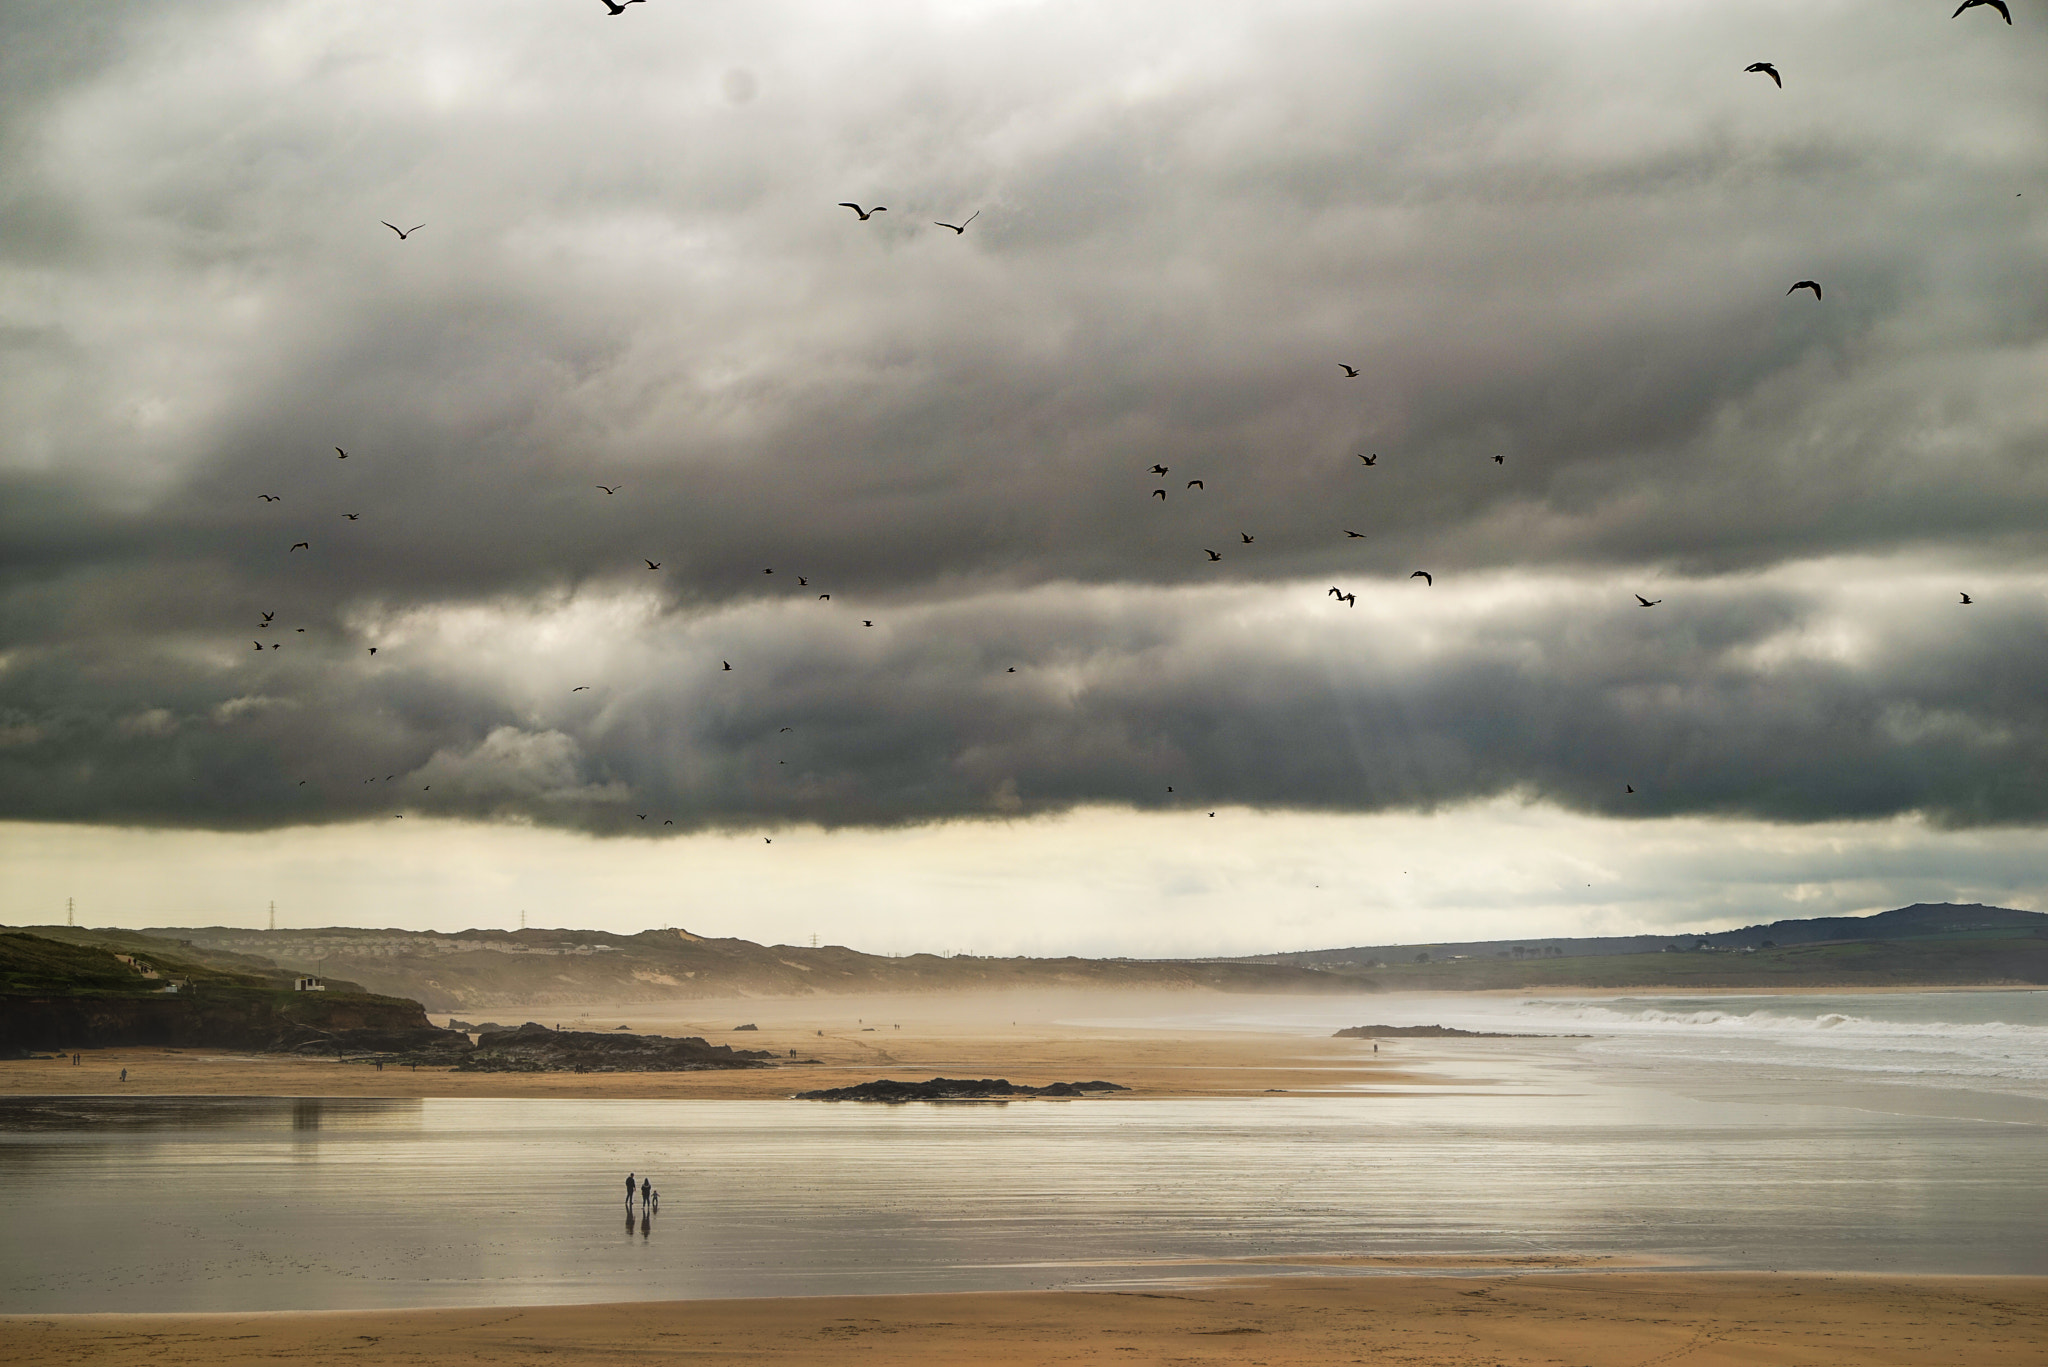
pixel 85 991
pixel 488 968
pixel 1927 944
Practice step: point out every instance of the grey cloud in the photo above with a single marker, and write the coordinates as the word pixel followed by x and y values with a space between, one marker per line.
pixel 1565 242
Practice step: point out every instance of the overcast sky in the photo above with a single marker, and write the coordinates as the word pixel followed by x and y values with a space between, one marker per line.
pixel 1557 234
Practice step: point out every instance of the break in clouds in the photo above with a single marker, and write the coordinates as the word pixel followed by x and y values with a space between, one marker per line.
pixel 1561 236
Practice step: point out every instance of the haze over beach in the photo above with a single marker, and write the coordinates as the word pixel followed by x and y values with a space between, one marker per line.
pixel 571 572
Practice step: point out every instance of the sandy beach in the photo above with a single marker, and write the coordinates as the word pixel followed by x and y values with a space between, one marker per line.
pixel 1542 1319
pixel 852 1040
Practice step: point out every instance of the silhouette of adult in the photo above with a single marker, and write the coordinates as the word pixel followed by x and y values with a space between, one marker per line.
pixel 646 1190
pixel 629 1188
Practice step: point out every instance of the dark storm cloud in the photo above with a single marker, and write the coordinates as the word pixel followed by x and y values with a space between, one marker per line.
pixel 1565 242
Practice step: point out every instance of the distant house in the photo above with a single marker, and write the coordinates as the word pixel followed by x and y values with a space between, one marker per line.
pixel 308 985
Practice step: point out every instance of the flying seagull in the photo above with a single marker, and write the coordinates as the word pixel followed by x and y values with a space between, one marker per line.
pixel 267 618
pixel 259 645
pixel 1157 470
pixel 1336 592
pixel 802 582
pixel 959 229
pixel 403 233
pixel 1350 371
pixel 1646 602
pixel 339 452
pixel 1373 459
pixel 1428 579
pixel 1998 5
pixel 373 650
pixel 1967 599
pixel 1769 71
pixel 1805 285
pixel 865 214
pixel 786 728
pixel 614 488
pixel 726 663
pixel 1213 555
pixel 1159 494
pixel 1245 537
pixel 1628 787
pixel 300 546
pixel 580 688
pixel 1350 599
pixel 652 564
pixel 618 7
pixel 1500 460
pixel 1197 484
pixel 1011 670
pixel 769 570
pixel 1355 536
pixel 824 597
pixel 866 623
pixel 351 516
pixel 270 498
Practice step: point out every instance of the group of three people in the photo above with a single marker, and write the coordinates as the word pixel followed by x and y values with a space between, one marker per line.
pixel 649 1197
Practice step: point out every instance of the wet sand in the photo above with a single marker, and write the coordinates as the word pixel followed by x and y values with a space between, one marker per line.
pixel 1599 1319
pixel 853 1040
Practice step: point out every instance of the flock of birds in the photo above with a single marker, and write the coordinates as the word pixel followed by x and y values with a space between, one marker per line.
pixel 866 214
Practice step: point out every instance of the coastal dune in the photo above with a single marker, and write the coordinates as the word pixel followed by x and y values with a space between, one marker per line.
pixel 1594 1319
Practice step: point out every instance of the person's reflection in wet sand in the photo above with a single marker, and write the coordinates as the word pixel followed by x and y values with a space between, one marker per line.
pixel 646 1223
pixel 629 1222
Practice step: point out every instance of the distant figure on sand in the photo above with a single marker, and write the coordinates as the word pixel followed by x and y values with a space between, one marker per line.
pixel 629 1188
pixel 124 1075
pixel 646 1190
pixel 656 1199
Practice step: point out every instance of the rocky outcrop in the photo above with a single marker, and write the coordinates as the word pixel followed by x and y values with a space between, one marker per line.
pixel 953 1089
pixel 533 1048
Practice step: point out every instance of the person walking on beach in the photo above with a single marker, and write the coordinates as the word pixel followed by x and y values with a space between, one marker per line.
pixel 646 1190
pixel 629 1188
pixel 124 1075
pixel 656 1197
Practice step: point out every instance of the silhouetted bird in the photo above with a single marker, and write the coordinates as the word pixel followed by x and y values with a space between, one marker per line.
pixel 1157 470
pixel 1355 536
pixel 1159 494
pixel 1425 576
pixel 1805 285
pixel 1627 788
pixel 1646 602
pixel 766 841
pixel 1350 599
pixel 1011 670
pixel 617 7
pixel 726 663
pixel 259 645
pixel 865 214
pixel 824 597
pixel 802 582
pixel 1213 555
pixel 867 623
pixel 270 498
pixel 1967 599
pixel 1245 537
pixel 1500 460
pixel 300 630
pixel 668 823
pixel 1197 484
pixel 1767 69
pixel 652 564
pixel 300 546
pixel 580 688
pixel 1350 371
pixel 786 728
pixel 1998 5
pixel 1373 459
pixel 351 516
pixel 1335 592
pixel 403 233
pixel 267 618
pixel 614 488
pixel 768 571
pixel 961 228
pixel 641 815
pixel 373 650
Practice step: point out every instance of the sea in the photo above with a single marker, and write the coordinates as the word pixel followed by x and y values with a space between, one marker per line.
pixel 1902 1132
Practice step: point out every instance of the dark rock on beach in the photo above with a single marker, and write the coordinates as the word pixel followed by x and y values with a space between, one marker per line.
pixel 953 1089
pixel 533 1048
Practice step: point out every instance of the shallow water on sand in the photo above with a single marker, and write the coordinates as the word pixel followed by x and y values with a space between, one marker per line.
pixel 238 1203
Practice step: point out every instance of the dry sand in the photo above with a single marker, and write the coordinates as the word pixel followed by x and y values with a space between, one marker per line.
pixel 1599 1319
pixel 854 1040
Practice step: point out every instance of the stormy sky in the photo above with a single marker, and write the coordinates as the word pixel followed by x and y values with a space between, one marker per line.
pixel 1556 234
